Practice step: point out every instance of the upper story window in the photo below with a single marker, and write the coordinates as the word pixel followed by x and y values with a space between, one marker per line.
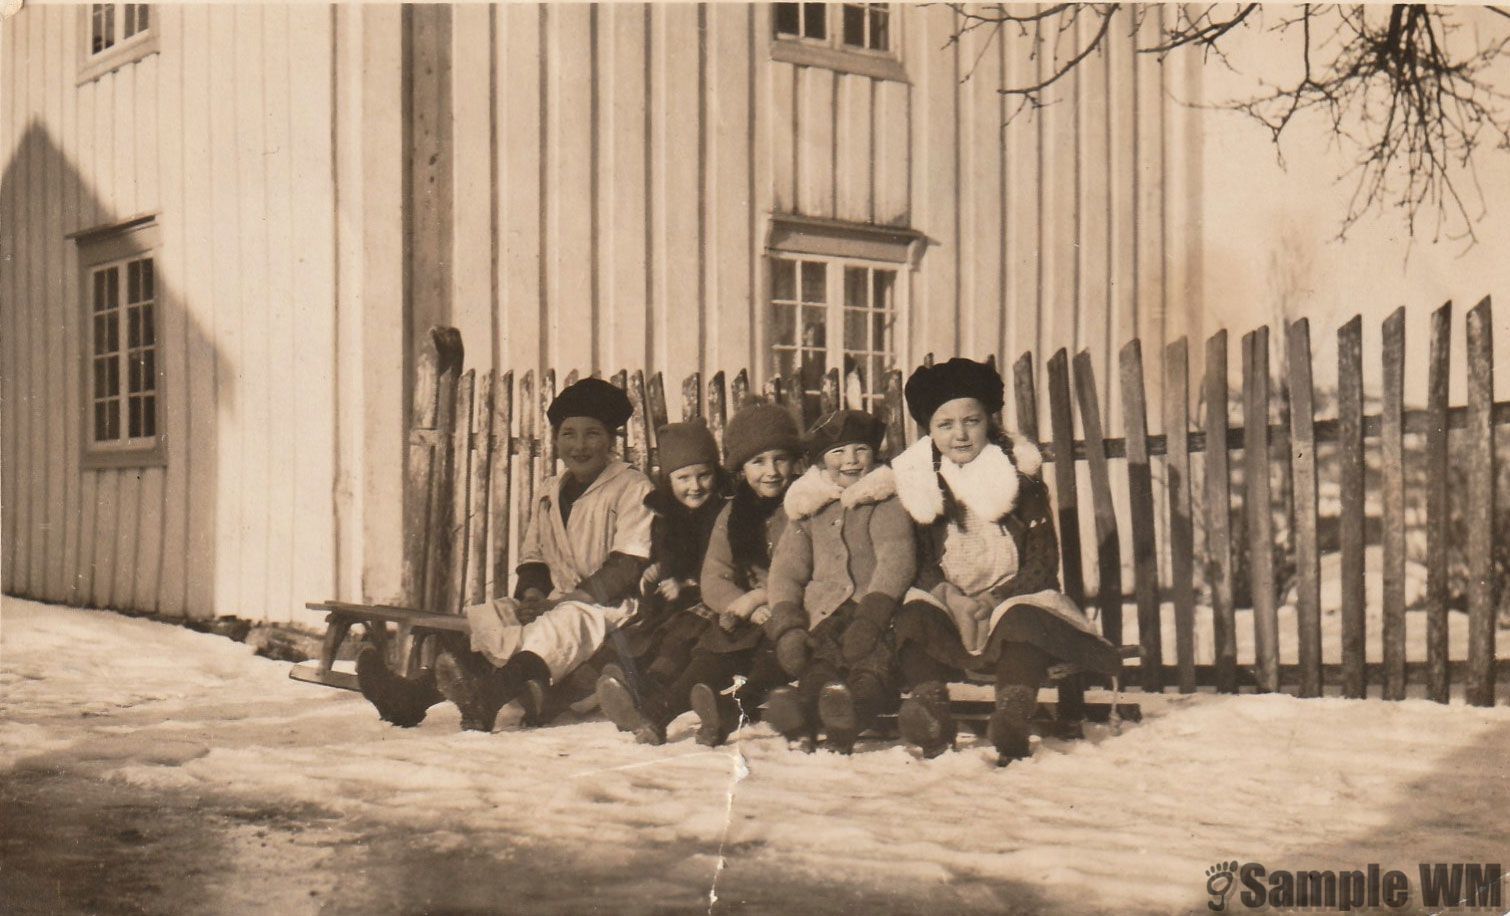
pixel 122 371
pixel 848 37
pixel 114 34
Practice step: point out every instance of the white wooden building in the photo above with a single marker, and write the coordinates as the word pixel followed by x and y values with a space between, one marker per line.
pixel 224 226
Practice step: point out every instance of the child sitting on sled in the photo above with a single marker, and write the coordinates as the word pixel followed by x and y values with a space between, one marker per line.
pixel 843 564
pixel 762 446
pixel 987 599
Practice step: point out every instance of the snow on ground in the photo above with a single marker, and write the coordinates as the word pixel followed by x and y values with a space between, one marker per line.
pixel 1116 823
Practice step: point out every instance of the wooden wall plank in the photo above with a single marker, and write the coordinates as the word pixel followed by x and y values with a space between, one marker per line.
pixel 202 291
pixel 501 480
pixel 984 199
pixel 474 590
pixel 1140 490
pixel 782 95
pixel 1350 463
pixel 1149 161
pixel 936 300
pixel 1062 424
pixel 1059 154
pixel 1095 205
pixel 1392 497
pixel 1218 516
pixel 1108 542
pixel 124 531
pixel 429 191
pixel 29 456
pixel 55 305
pixel 83 535
pixel 892 183
pixel 521 179
pixel 816 185
pixel 472 241
pixel 623 131
pixel 1437 519
pixel 69 350
pixel 173 406
pixel 107 522
pixel 1480 512
pixel 732 309
pixel 229 397
pixel 853 152
pixel 571 188
pixel 1257 504
pixel 1021 324
pixel 255 382
pixel 1181 529
pixel 10 204
pixel 311 331
pixel 676 46
pixel 1304 488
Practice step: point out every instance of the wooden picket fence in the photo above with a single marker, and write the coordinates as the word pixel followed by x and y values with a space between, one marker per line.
pixel 480 449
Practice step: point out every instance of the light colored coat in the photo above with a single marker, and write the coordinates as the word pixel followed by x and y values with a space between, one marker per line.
pixel 609 517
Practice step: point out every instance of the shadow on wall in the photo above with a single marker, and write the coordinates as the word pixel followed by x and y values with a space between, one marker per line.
pixel 139 538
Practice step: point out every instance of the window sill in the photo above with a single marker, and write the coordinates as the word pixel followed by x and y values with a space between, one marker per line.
pixel 871 64
pixel 155 456
pixel 92 68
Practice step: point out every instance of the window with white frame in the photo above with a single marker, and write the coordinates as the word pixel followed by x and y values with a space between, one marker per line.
pixel 833 313
pixel 122 373
pixel 851 37
pixel 113 34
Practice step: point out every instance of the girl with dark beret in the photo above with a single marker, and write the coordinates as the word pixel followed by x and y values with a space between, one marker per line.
pixel 987 598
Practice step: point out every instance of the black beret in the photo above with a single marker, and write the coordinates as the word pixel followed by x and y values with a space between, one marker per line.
pixel 843 427
pixel 930 387
pixel 591 397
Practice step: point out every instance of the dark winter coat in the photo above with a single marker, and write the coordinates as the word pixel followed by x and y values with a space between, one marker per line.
pixel 678 539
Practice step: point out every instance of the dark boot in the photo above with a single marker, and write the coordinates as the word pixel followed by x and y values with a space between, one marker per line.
pixel 841 722
pixel 787 713
pixel 1011 723
pixel 717 715
pixel 926 721
pixel 1069 719
pixel 480 694
pixel 400 700
pixel 642 718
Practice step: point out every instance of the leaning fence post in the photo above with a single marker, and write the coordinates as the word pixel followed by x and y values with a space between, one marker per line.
pixel 453 584
pixel 482 470
pixel 1439 685
pixel 1181 533
pixel 1392 454
pixel 692 397
pixel 1219 515
pixel 1062 422
pixel 1260 525
pixel 1303 486
pixel 1108 544
pixel 1480 516
pixel 1350 457
pixel 718 411
pixel 1025 397
pixel 1140 498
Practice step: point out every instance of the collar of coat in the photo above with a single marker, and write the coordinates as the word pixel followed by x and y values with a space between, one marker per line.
pixel 812 491
pixel 614 468
pixel 987 485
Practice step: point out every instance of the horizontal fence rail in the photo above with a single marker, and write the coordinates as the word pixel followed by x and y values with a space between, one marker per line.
pixel 480 450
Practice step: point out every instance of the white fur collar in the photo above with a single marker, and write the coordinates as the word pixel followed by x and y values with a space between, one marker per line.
pixel 812 491
pixel 987 485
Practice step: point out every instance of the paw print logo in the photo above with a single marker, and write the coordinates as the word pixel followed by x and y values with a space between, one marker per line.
pixel 1219 880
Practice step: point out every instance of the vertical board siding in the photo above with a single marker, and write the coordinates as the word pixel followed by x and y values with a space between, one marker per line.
pixel 53 320
pixel 10 196
pixel 172 349
pixel 730 178
pixel 570 186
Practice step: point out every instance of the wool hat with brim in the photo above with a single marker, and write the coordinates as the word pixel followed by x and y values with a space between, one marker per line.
pixel 759 428
pixel 931 387
pixel 591 397
pixel 679 445
pixel 841 428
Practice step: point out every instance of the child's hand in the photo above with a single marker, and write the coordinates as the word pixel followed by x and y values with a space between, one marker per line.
pixel 649 578
pixel 670 589
pixel 760 615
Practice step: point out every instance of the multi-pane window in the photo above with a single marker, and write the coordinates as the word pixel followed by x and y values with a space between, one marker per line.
pixel 848 26
pixel 834 314
pixel 116 23
pixel 123 365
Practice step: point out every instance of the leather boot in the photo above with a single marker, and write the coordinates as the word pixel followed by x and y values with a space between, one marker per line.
pixel 1011 723
pixel 786 713
pixel 717 715
pixel 841 721
pixel 400 700
pixel 926 720
pixel 480 694
pixel 645 719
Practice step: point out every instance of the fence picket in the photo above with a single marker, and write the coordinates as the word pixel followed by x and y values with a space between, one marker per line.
pixel 1108 542
pixel 1062 426
pixel 1304 488
pixel 659 408
pixel 1480 514
pixel 896 414
pixel 528 437
pixel 718 410
pixel 828 397
pixel 421 446
pixel 692 397
pixel 1260 544
pixel 1392 499
pixel 639 422
pixel 1140 497
pixel 1025 397
pixel 1438 686
pixel 792 398
pixel 437 553
pixel 547 467
pixel 1218 514
pixel 459 524
pixel 620 380
pixel 1350 462
pixel 501 484
pixel 571 379
pixel 739 392
pixel 477 512
pixel 1181 531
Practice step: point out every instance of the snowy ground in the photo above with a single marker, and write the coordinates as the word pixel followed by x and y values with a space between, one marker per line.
pixel 110 720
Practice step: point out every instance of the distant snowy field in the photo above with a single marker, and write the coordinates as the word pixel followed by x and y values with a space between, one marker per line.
pixel 1116 823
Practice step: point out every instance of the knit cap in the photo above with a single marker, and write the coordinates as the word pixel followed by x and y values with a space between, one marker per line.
pixel 759 428
pixel 681 444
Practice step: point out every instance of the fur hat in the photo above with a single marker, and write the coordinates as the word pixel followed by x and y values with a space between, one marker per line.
pixel 930 387
pixel 591 397
pixel 843 427
pixel 681 444
pixel 759 428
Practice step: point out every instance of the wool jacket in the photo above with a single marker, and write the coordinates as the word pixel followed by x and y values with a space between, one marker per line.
pixel 996 488
pixel 726 577
pixel 609 518
pixel 852 544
